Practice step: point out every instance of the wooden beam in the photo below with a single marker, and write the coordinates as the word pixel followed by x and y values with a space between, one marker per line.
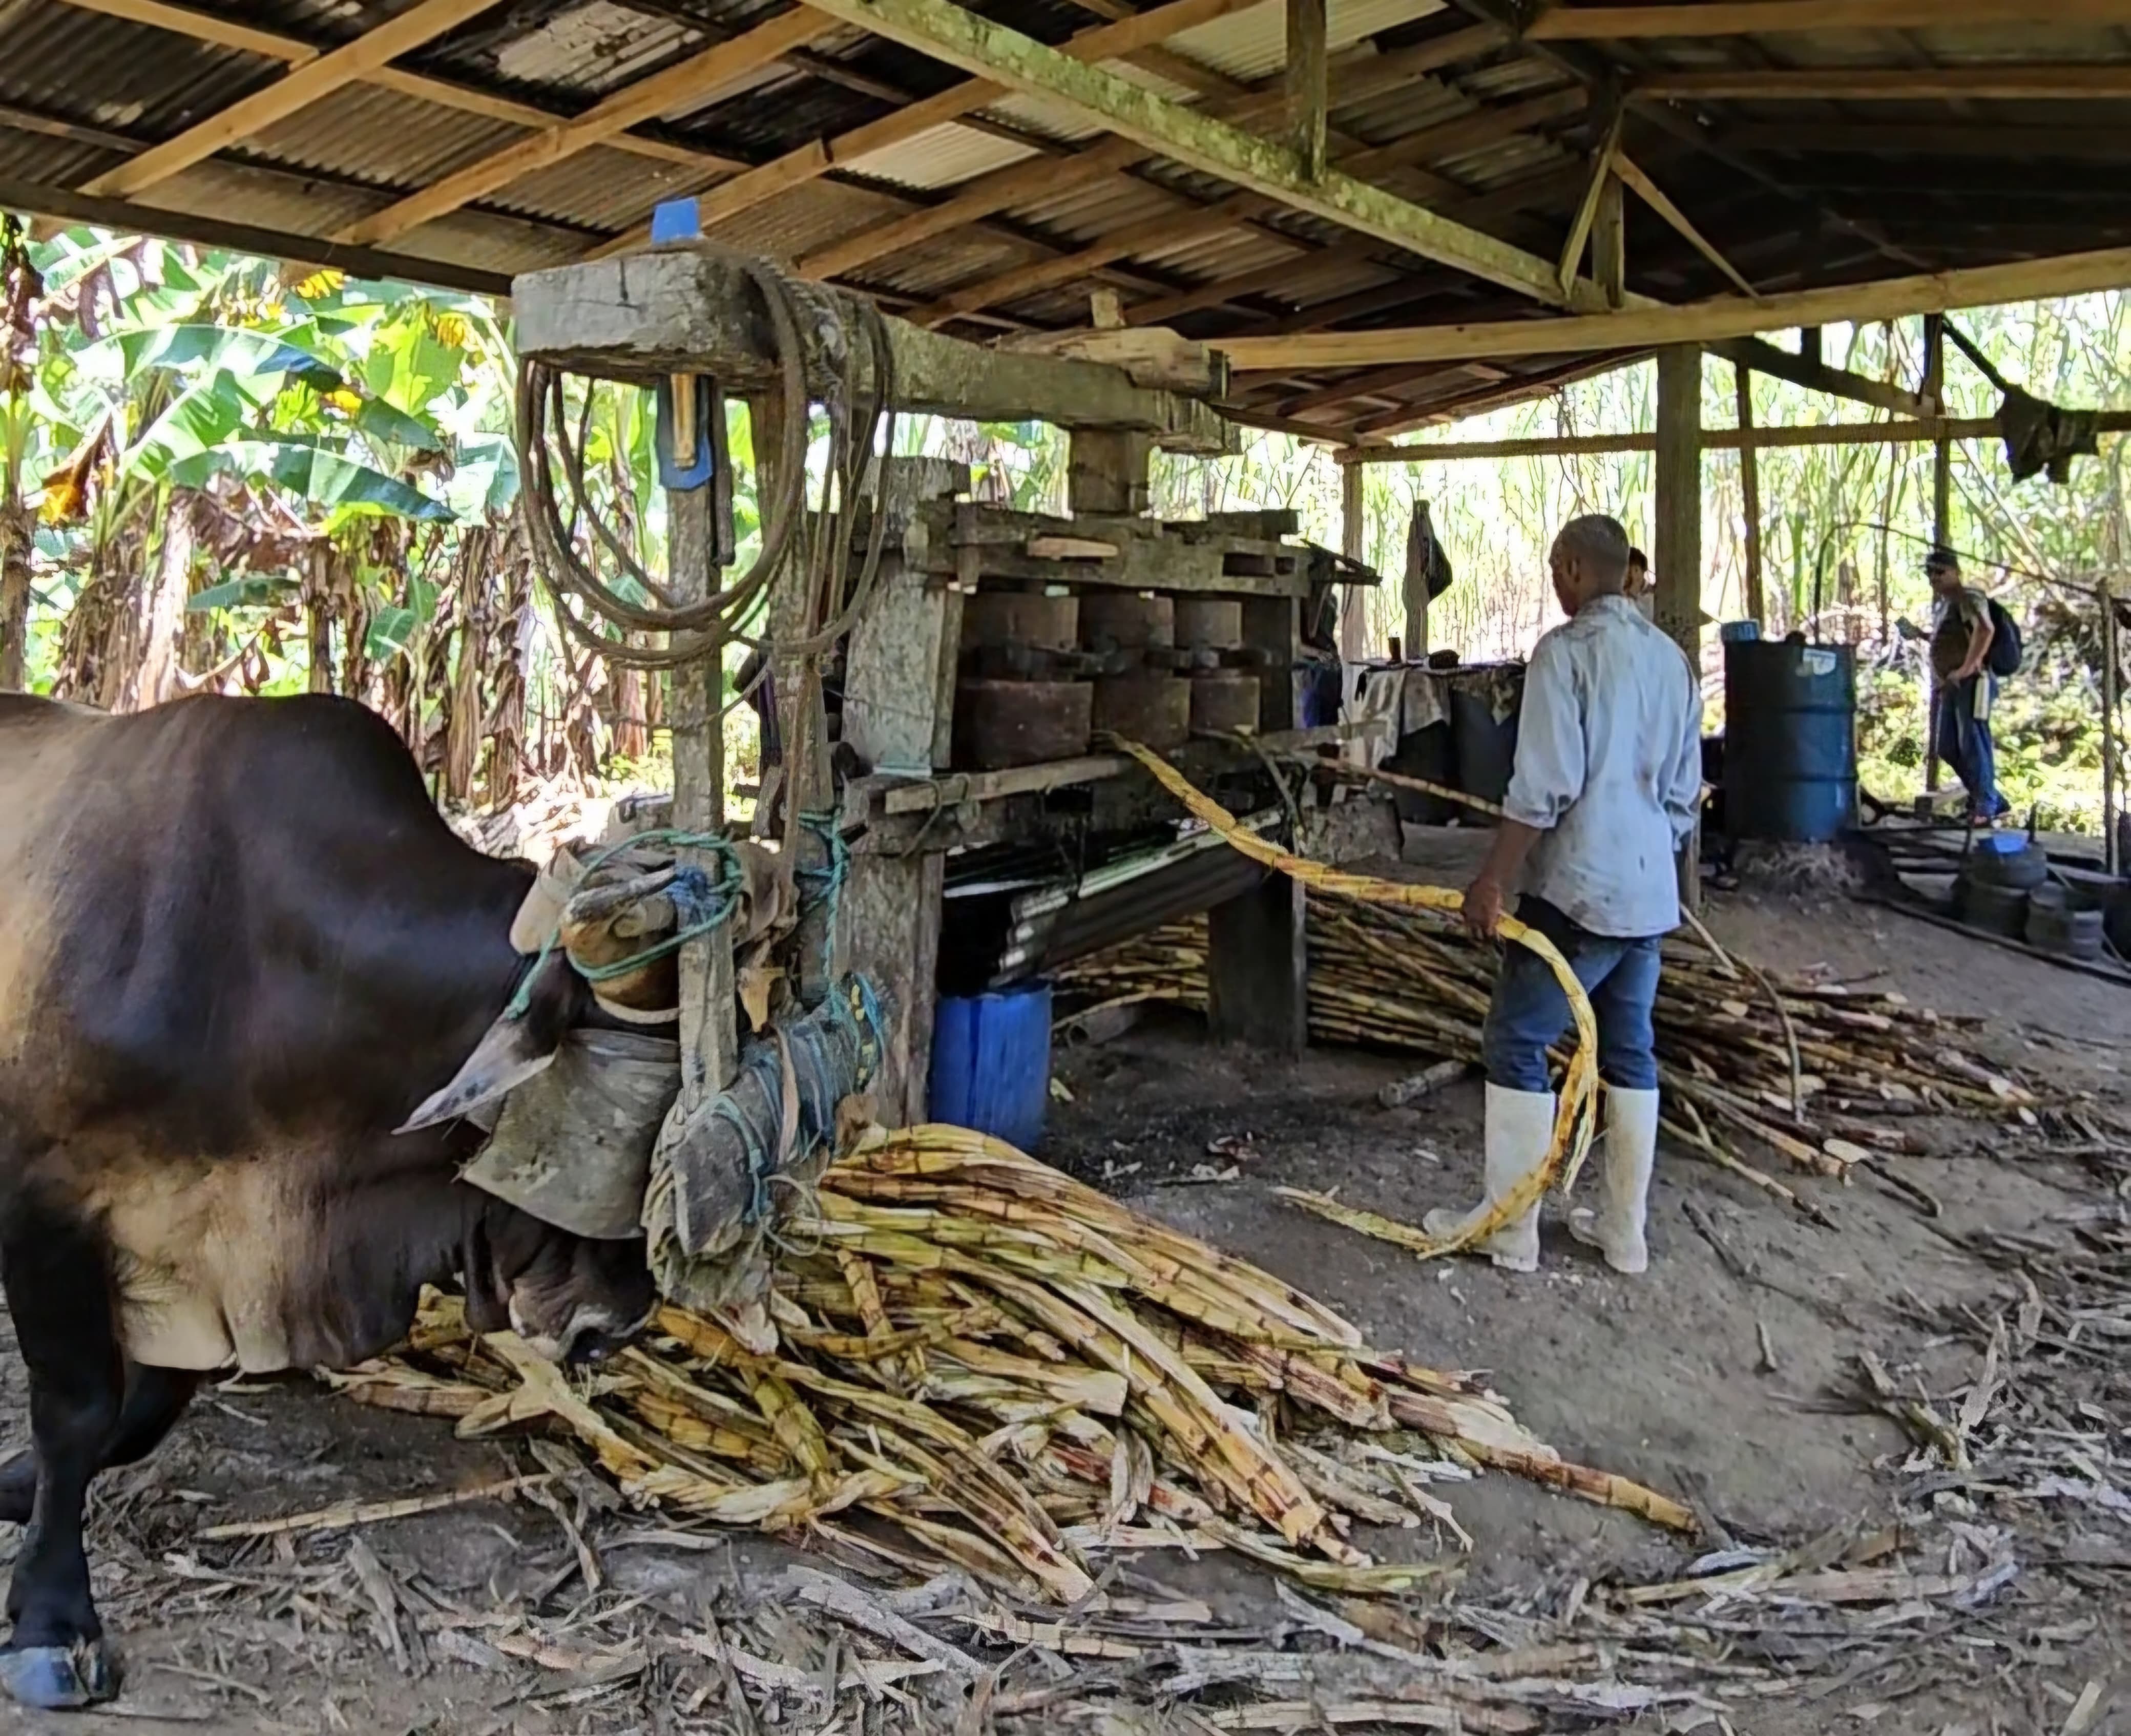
pixel 1676 545
pixel 1749 489
pixel 1609 244
pixel 63 204
pixel 1765 358
pixel 1359 75
pixel 1498 388
pixel 1306 83
pixel 685 86
pixel 1705 322
pixel 1587 212
pixel 1889 84
pixel 1568 23
pixel 206 28
pixel 810 161
pixel 296 89
pixel 1654 196
pixel 951 33
pixel 1715 439
pixel 1171 228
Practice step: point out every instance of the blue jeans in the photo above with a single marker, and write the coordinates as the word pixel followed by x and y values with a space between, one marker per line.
pixel 1963 741
pixel 1529 1012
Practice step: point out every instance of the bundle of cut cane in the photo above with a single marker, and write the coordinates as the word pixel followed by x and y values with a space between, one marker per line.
pixel 1825 1074
pixel 1019 1374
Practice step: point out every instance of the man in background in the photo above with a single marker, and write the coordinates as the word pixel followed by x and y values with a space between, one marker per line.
pixel 1963 688
pixel 1605 791
pixel 1641 590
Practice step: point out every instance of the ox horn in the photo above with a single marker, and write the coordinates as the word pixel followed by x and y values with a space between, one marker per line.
pixel 522 1042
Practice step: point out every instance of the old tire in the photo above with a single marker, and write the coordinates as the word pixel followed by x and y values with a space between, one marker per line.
pixel 1997 910
pixel 2075 933
pixel 2024 868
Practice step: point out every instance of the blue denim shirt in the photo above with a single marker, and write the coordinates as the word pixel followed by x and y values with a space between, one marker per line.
pixel 1609 768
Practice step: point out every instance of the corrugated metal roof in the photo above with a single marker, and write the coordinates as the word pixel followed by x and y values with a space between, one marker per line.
pixel 367 133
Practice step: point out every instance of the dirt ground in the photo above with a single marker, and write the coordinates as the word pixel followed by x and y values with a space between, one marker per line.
pixel 1730 1374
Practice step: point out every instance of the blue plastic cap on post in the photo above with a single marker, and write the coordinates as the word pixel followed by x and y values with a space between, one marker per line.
pixel 676 220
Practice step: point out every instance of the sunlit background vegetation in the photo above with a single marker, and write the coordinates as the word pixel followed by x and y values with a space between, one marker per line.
pixel 218 472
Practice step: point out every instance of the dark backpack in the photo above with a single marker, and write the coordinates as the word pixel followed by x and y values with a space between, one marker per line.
pixel 2003 658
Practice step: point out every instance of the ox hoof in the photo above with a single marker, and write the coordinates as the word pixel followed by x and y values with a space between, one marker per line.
pixel 59 1678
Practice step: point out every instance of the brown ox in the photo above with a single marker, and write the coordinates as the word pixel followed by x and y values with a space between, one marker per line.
pixel 238 945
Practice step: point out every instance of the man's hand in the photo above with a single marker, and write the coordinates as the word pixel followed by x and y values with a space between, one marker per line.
pixel 1482 910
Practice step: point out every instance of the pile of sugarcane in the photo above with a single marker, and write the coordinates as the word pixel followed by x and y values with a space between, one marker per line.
pixel 976 1361
pixel 1825 1074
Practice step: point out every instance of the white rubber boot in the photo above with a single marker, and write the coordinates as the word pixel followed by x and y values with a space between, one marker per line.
pixel 1616 1226
pixel 1520 1128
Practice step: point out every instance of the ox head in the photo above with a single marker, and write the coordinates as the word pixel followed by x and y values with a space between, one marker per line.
pixel 571 1299
pixel 520 1042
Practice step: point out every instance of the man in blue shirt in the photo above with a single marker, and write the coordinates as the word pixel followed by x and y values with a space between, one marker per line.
pixel 1605 789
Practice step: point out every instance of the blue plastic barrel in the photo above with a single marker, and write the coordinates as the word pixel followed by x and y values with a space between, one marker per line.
pixel 991 1063
pixel 1790 744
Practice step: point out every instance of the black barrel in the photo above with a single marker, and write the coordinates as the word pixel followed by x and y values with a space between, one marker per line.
pixel 1790 740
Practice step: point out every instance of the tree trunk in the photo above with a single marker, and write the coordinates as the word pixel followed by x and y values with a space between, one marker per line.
pixel 15 534
pixel 317 612
pixel 147 672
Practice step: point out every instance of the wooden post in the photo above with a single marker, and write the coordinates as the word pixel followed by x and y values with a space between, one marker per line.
pixel 1106 471
pixel 709 1036
pixel 2111 855
pixel 1609 244
pixel 1941 519
pixel 1354 544
pixel 1677 553
pixel 898 714
pixel 1305 82
pixel 1749 486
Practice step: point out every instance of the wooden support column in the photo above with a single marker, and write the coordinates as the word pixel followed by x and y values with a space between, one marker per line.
pixel 1942 517
pixel 1609 244
pixel 1106 471
pixel 1750 487
pixel 2112 854
pixel 710 1035
pixel 1354 544
pixel 1305 83
pixel 1677 552
pixel 898 714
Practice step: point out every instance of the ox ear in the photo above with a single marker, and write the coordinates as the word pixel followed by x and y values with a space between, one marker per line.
pixel 512 1049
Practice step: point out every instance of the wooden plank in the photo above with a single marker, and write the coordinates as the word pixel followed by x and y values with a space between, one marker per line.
pixel 682 310
pixel 1586 211
pixel 1655 198
pixel 1106 473
pixel 203 27
pixel 1149 356
pixel 1749 484
pixel 899 675
pixel 296 89
pixel 64 204
pixel 1889 83
pixel 1609 245
pixel 951 33
pixel 710 1030
pixel 1765 358
pixel 890 914
pixel 808 162
pixel 688 85
pixel 1703 322
pixel 1354 544
pixel 1306 83
pixel 1569 23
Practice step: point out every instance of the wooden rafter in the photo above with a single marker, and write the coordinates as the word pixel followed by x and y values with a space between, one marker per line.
pixel 1586 210
pixel 686 85
pixel 295 90
pixel 951 33
pixel 1121 40
pixel 1562 23
pixel 1307 83
pixel 208 28
pixel 1168 229
pixel 1704 322
pixel 1815 375
pixel 1876 84
pixel 1651 194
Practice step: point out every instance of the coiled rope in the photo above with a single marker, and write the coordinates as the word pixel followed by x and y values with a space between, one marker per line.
pixel 1574 1119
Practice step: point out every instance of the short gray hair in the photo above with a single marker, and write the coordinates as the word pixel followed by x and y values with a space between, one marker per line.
pixel 1599 541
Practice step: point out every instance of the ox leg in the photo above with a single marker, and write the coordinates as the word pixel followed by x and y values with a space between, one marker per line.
pixel 155 1398
pixel 58 1281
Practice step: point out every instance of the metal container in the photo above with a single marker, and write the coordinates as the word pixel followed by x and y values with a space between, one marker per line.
pixel 1154 711
pixel 1001 723
pixel 573 1143
pixel 1225 701
pixel 1790 747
